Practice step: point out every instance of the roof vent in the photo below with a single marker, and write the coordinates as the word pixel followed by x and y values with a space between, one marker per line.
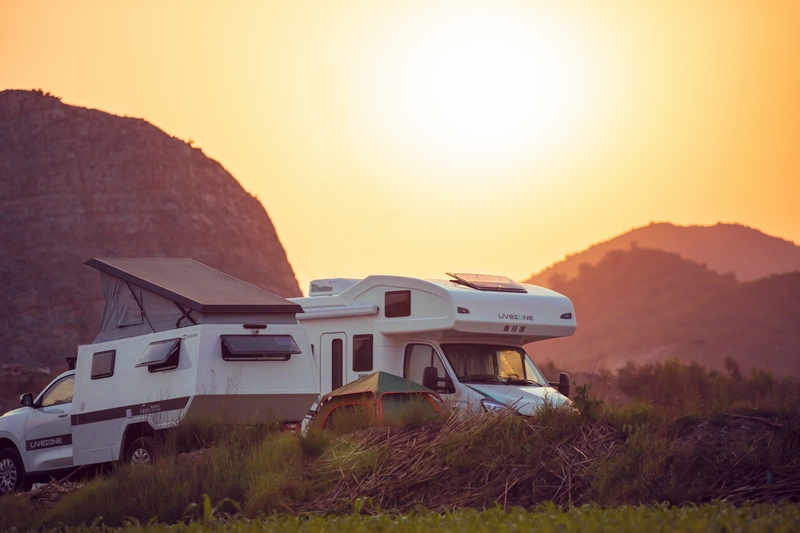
pixel 330 287
pixel 486 282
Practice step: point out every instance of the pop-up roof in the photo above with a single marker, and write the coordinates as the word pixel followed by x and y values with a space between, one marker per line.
pixel 148 295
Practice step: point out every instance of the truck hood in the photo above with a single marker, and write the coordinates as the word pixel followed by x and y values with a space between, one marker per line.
pixel 525 399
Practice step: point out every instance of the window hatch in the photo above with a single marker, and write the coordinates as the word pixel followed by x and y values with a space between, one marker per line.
pixel 158 352
pixel 258 347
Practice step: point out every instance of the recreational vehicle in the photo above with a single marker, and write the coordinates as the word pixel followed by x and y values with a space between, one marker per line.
pixel 177 339
pixel 462 337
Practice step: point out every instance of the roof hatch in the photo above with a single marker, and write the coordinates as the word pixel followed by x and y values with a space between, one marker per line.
pixel 487 282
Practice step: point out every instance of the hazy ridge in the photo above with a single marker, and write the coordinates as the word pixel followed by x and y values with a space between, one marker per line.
pixel 645 305
pixel 747 252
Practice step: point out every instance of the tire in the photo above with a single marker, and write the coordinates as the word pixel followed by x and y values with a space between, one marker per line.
pixel 141 452
pixel 12 473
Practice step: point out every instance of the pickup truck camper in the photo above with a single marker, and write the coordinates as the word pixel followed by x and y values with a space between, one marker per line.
pixel 462 337
pixel 177 339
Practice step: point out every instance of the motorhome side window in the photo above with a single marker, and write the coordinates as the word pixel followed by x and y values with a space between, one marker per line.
pixel 418 357
pixel 258 347
pixel 397 303
pixel 103 364
pixel 161 355
pixel 362 353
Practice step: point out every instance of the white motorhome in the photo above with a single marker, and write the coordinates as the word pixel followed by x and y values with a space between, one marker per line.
pixel 461 337
pixel 177 338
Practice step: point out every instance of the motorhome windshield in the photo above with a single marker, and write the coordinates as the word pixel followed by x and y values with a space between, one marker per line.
pixel 490 363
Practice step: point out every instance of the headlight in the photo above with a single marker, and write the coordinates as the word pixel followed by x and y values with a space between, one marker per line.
pixel 492 405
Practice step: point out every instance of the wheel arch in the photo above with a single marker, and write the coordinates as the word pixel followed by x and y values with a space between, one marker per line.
pixel 6 443
pixel 133 432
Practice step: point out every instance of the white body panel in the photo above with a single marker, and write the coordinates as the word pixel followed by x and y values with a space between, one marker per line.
pixel 441 312
pixel 90 429
pixel 203 384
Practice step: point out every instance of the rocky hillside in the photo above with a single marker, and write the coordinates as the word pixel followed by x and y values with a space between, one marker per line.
pixel 79 183
pixel 746 252
pixel 646 305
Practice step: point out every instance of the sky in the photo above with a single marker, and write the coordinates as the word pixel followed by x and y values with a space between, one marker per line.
pixel 422 137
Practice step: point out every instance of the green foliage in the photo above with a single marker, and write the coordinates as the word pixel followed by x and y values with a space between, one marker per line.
pixel 545 518
pixel 17 511
pixel 716 443
pixel 411 413
pixel 347 419
pixel 585 402
pixel 684 389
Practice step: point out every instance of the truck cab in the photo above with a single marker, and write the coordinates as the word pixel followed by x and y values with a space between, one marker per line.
pixel 37 437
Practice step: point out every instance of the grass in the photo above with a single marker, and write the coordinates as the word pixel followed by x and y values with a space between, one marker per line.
pixel 546 518
pixel 652 449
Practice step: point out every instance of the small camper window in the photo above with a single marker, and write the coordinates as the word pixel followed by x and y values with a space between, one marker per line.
pixel 161 355
pixel 103 364
pixel 397 303
pixel 258 347
pixel 362 353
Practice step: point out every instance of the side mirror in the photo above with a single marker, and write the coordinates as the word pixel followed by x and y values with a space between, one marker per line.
pixel 26 399
pixel 431 379
pixel 563 384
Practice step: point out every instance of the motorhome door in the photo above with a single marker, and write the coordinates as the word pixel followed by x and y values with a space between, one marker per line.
pixel 333 347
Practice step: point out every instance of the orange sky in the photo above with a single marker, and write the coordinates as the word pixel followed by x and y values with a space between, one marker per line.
pixel 417 137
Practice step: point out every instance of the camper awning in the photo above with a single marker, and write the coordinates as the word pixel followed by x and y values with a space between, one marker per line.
pixel 195 285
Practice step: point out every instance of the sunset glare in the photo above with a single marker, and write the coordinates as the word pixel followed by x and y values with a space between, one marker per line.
pixel 424 137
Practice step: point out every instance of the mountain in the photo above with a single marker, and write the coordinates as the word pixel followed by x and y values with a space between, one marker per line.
pixel 645 305
pixel 79 183
pixel 746 252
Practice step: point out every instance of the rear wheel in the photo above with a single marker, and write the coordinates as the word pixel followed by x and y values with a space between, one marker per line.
pixel 12 473
pixel 141 452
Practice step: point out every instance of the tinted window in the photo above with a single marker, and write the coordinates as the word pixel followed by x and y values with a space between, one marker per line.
pixel 362 353
pixel 337 366
pixel 397 303
pixel 103 364
pixel 60 392
pixel 258 347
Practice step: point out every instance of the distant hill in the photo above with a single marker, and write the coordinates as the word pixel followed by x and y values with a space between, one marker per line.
pixel 746 252
pixel 78 183
pixel 645 305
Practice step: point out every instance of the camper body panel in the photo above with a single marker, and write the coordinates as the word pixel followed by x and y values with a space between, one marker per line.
pixel 254 391
pixel 104 406
pixel 439 313
pixel 203 385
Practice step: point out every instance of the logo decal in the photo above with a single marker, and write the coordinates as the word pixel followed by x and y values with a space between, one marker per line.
pixel 50 442
pixel 503 316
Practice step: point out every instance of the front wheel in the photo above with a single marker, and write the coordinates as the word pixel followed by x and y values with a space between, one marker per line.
pixel 141 452
pixel 12 473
